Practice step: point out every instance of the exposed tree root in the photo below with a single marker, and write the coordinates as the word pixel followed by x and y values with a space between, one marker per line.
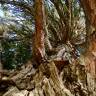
pixel 47 80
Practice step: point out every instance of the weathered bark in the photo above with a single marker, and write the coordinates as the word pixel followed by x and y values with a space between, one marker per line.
pixel 39 35
pixel 48 45
pixel 47 82
pixel 69 17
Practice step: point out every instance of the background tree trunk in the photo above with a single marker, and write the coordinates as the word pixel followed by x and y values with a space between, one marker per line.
pixel 89 7
pixel 39 26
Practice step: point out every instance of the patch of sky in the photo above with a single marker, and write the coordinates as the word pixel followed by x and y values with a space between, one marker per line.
pixel 1 13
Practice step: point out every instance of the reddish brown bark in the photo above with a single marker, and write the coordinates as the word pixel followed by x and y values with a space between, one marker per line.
pixel 60 64
pixel 89 7
pixel 39 25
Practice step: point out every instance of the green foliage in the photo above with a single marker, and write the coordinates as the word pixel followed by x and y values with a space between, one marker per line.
pixel 14 53
pixel 16 50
